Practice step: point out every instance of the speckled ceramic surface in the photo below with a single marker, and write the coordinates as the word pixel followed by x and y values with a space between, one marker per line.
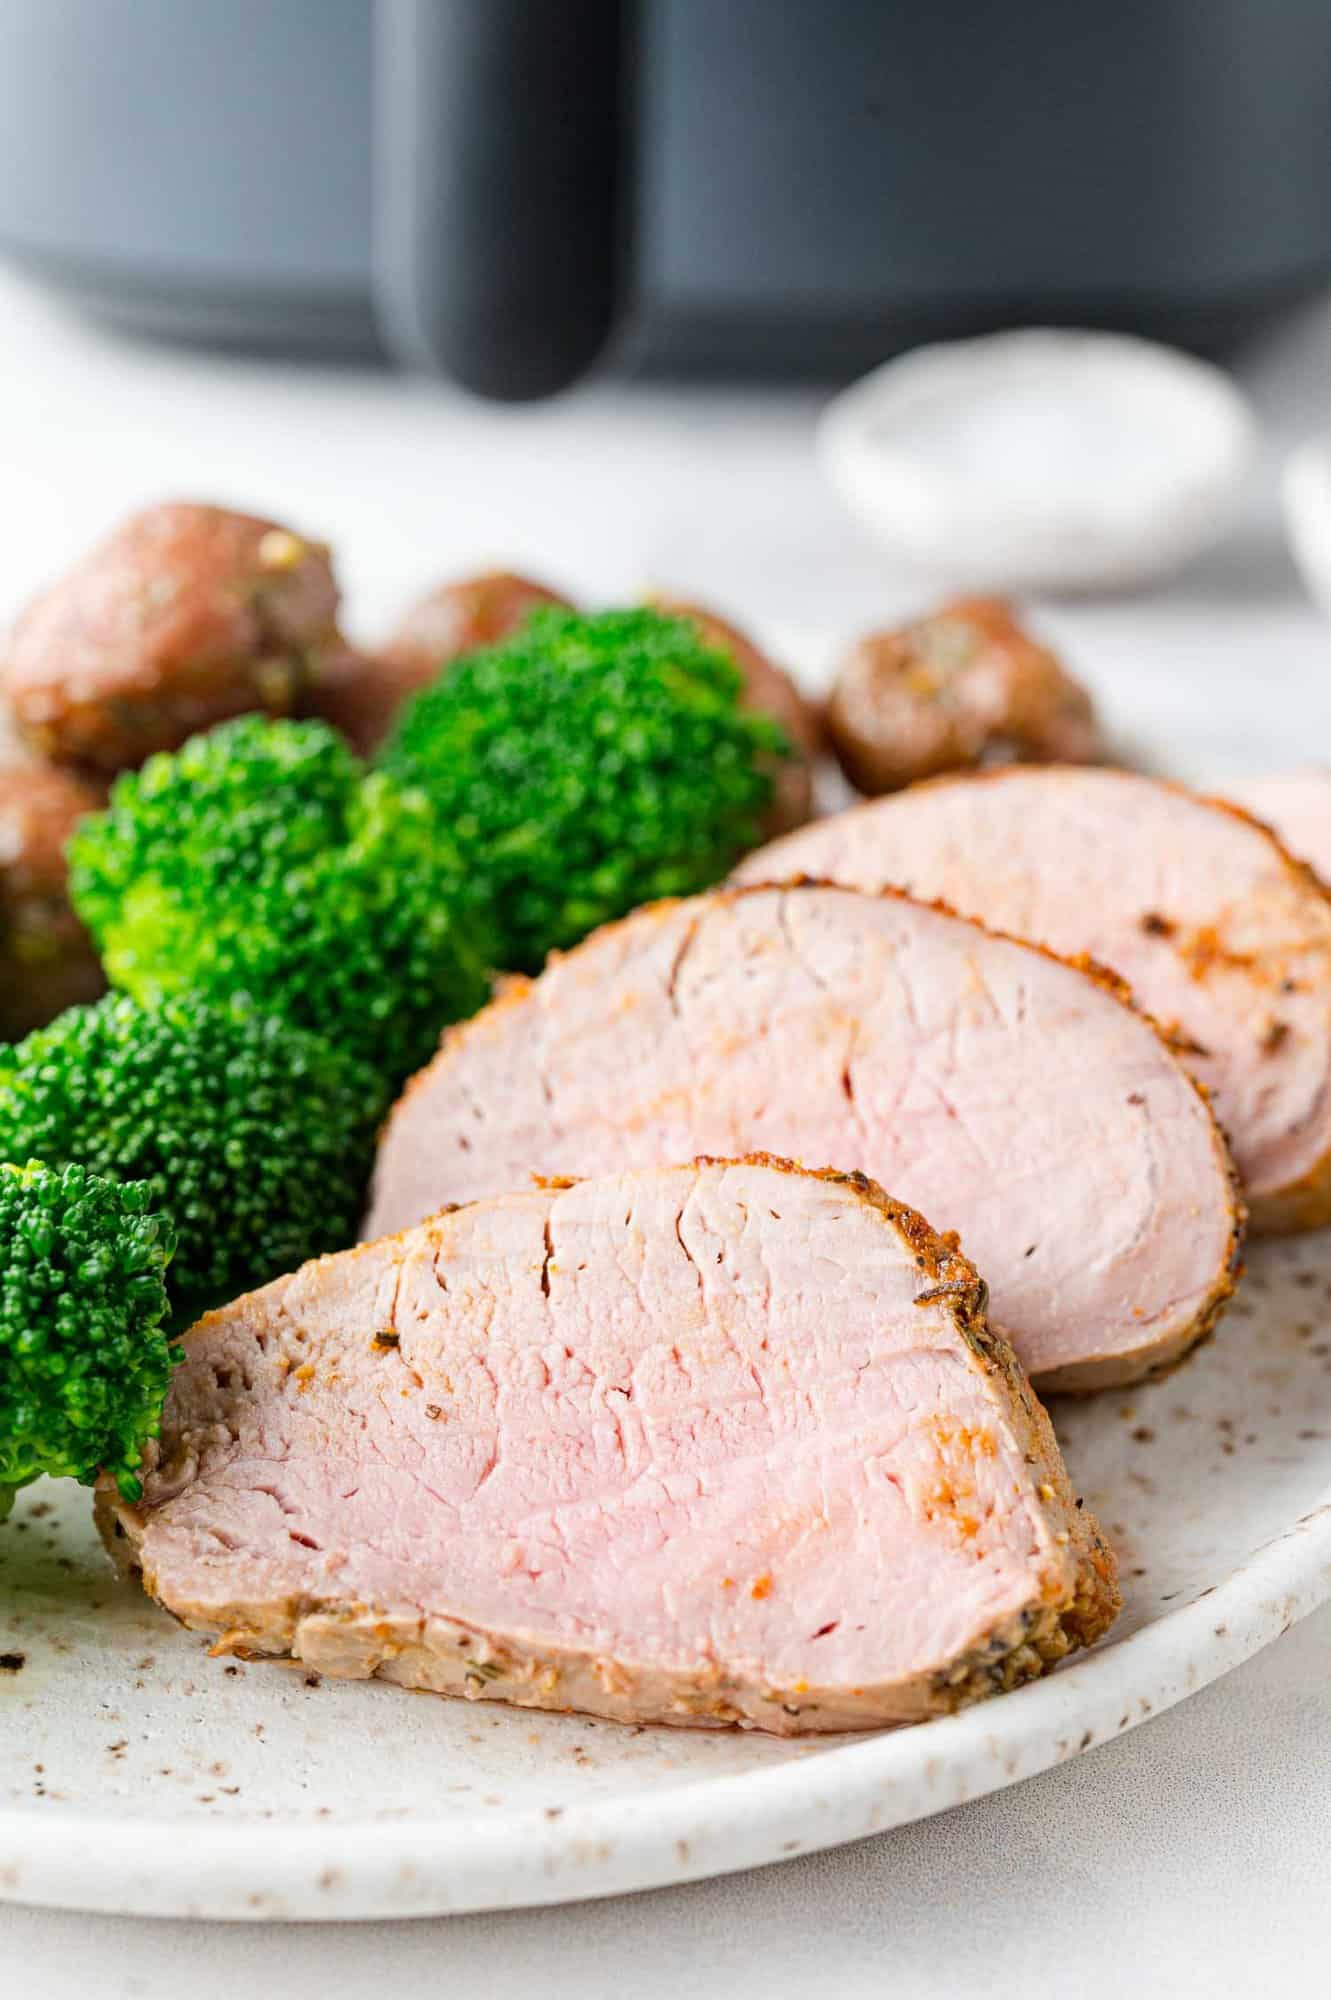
pixel 136 1773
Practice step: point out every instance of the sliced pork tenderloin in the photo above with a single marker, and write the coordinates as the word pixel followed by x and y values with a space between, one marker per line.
pixel 1011 1097
pixel 1221 935
pixel 1296 805
pixel 725 1443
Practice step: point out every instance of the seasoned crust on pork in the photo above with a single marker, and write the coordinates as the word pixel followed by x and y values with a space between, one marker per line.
pixel 1223 937
pixel 1014 1096
pixel 719 1444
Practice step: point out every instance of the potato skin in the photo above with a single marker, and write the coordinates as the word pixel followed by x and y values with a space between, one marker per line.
pixel 47 960
pixel 361 693
pixel 462 616
pixel 186 614
pixel 965 685
pixel 768 690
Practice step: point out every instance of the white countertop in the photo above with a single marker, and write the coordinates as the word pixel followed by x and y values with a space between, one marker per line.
pixel 1190 1857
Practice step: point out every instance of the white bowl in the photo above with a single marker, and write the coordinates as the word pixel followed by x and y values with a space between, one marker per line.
pixel 1041 460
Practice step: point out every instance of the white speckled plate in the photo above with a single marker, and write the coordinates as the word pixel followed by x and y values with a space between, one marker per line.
pixel 138 1774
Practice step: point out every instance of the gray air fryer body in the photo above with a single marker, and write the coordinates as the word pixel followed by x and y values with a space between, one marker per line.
pixel 498 187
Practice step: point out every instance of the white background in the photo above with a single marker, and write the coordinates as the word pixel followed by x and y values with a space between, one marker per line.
pixel 1194 1856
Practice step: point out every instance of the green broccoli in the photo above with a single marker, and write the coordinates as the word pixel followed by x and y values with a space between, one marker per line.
pixel 84 1360
pixel 261 859
pixel 255 1136
pixel 586 765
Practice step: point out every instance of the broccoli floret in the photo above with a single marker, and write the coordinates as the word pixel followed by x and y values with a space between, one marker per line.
pixel 84 1360
pixel 586 765
pixel 255 1136
pixel 261 859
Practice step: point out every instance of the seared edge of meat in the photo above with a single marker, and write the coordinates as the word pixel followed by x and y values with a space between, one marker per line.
pixel 1301 1205
pixel 1075 1594
pixel 1306 1203
pixel 1156 1357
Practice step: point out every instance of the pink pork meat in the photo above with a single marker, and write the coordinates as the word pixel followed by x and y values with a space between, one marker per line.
pixel 1296 805
pixel 1013 1098
pixel 725 1443
pixel 1222 936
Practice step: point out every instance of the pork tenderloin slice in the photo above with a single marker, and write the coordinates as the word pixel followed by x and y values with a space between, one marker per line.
pixel 724 1443
pixel 1221 935
pixel 1296 805
pixel 1011 1097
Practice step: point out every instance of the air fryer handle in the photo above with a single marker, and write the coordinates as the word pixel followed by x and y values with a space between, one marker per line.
pixel 500 163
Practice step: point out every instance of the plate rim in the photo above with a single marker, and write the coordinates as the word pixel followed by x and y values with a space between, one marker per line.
pixel 372 1868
